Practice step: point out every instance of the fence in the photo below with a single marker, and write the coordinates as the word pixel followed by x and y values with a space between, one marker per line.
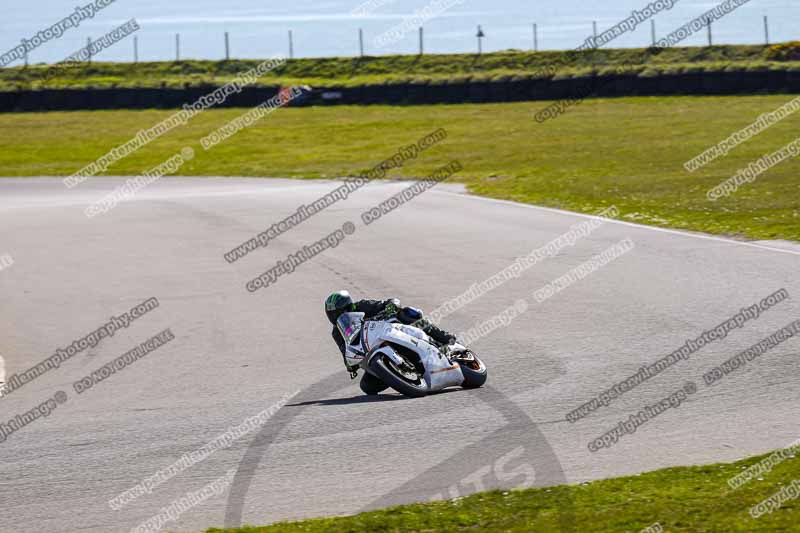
pixel 360 49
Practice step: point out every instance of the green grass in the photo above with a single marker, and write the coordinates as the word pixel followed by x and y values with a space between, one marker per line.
pixel 628 152
pixel 695 499
pixel 434 69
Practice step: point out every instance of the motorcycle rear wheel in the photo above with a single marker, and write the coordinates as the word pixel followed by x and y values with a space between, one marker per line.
pixel 385 370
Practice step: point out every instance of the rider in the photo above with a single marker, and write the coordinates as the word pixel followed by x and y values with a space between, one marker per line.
pixel 340 302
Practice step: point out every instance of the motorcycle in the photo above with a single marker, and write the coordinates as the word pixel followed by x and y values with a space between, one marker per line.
pixel 405 358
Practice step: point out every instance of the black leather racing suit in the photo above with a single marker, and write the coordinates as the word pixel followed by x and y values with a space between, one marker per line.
pixel 371 308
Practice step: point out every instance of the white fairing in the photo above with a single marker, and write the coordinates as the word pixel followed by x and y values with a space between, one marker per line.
pixel 353 359
pixel 439 371
pixel 349 326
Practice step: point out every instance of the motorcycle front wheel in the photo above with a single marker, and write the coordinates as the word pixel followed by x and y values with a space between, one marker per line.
pixel 475 372
pixel 406 379
pixel 372 385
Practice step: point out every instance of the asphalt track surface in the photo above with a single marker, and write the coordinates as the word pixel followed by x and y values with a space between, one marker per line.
pixel 236 353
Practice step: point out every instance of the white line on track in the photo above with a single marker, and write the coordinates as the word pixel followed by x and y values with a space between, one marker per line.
pixel 626 223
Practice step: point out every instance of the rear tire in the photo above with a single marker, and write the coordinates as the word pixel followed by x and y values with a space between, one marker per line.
pixel 372 385
pixel 475 372
pixel 385 372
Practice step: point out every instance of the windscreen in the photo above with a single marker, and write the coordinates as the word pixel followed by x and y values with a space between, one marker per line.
pixel 349 325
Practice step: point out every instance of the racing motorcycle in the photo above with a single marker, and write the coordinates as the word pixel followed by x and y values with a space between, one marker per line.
pixel 405 358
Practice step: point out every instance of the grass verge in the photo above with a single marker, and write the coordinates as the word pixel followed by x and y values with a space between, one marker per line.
pixel 628 152
pixel 427 69
pixel 695 499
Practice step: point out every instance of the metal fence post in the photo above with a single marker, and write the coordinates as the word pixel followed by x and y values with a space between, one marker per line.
pixel 89 49
pixel 766 29
pixel 177 47
pixel 291 45
pixel 535 37
pixel 361 41
pixel 227 47
pixel 710 40
pixel 421 41
pixel 653 31
pixel 135 49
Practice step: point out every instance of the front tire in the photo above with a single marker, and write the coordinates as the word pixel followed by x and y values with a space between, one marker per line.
pixel 386 371
pixel 474 370
pixel 372 385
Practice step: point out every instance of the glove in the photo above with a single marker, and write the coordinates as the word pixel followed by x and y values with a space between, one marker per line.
pixel 392 307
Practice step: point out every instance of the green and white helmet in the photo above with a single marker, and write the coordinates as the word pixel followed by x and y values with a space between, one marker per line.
pixel 337 303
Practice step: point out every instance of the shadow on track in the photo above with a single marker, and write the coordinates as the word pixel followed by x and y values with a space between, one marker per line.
pixel 351 400
pixel 363 398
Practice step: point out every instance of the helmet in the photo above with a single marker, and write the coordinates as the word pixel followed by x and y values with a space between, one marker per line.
pixel 337 303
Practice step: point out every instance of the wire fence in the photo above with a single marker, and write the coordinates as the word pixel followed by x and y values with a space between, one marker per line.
pixel 362 48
